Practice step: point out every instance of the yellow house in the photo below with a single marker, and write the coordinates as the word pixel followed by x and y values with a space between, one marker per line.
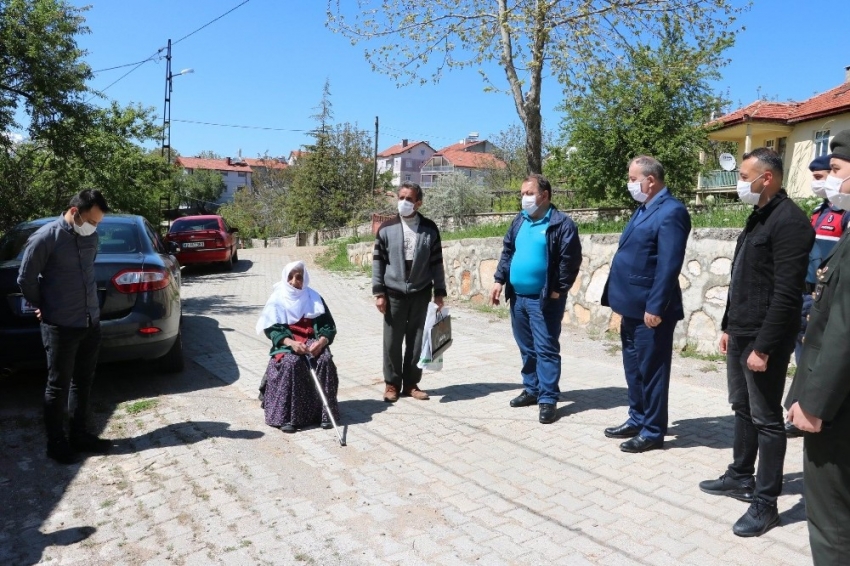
pixel 798 131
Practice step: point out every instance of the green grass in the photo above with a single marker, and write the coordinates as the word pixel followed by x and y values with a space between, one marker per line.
pixel 139 406
pixel 335 256
pixel 690 351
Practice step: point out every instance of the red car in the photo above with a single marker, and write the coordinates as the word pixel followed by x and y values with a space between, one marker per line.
pixel 204 239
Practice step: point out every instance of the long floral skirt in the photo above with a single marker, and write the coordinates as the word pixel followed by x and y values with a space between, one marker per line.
pixel 290 395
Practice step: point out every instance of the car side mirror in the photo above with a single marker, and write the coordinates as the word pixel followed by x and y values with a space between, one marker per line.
pixel 173 247
pixel 234 230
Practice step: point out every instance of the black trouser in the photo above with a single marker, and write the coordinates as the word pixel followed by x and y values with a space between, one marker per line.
pixel 404 321
pixel 826 477
pixel 71 361
pixel 756 398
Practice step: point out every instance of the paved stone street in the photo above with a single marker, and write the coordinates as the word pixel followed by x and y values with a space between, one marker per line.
pixel 197 477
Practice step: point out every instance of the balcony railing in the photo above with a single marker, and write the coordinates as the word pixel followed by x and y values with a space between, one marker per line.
pixel 718 181
pixel 438 169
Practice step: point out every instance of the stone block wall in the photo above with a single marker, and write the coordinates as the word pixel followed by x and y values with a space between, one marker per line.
pixel 470 265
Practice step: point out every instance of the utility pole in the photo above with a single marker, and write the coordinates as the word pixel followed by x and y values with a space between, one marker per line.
pixel 166 112
pixel 375 167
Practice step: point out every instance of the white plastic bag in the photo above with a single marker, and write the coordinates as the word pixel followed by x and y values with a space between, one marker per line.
pixel 425 361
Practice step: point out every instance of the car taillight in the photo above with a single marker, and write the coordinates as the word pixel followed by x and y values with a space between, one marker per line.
pixel 140 280
pixel 219 243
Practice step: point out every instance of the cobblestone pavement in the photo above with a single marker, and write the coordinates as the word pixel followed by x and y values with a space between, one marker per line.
pixel 197 478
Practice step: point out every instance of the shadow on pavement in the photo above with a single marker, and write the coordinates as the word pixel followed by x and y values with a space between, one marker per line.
pixel 793 485
pixel 31 485
pixel 713 432
pixel 469 391
pixel 359 411
pixel 208 270
pixel 180 434
pixel 601 398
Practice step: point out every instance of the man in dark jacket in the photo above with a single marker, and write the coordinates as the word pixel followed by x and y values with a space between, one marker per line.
pixel 407 267
pixel 760 327
pixel 57 277
pixel 819 399
pixel 643 287
pixel 540 261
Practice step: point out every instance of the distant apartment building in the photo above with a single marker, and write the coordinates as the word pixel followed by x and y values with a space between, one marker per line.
pixel 405 160
pixel 235 173
pixel 469 156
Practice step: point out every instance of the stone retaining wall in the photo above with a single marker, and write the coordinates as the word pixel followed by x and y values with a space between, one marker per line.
pixel 470 265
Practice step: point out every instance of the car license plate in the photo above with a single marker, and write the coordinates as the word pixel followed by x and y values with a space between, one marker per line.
pixel 27 307
pixel 192 245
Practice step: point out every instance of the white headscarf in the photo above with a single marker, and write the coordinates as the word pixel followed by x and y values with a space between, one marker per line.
pixel 287 304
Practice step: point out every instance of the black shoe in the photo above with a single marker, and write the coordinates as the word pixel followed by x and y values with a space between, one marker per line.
pixel 327 425
pixel 86 442
pixel 759 518
pixel 287 427
pixel 742 490
pixel 61 452
pixel 523 400
pixel 625 430
pixel 547 412
pixel 792 431
pixel 641 444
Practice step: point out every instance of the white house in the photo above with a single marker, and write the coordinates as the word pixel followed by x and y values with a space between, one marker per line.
pixel 405 161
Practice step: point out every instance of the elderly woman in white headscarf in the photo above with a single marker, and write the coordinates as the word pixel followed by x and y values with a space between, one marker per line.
pixel 299 324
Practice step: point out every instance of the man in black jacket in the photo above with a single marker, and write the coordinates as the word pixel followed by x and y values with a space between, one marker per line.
pixel 540 261
pixel 759 331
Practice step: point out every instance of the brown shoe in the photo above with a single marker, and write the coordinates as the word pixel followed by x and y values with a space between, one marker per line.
pixel 416 393
pixel 391 393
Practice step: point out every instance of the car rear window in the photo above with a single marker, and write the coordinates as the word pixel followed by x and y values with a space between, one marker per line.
pixel 195 224
pixel 114 238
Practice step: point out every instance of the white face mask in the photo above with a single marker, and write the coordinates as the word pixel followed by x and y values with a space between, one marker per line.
pixel 529 204
pixel 637 194
pixel 818 188
pixel 86 229
pixel 745 193
pixel 832 188
pixel 405 208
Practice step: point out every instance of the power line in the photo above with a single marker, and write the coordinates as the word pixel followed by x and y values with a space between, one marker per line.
pixel 152 57
pixel 239 126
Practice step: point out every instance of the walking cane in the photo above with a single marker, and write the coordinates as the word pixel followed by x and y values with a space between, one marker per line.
pixel 310 362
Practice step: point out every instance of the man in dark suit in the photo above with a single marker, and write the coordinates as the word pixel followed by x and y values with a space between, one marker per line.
pixel 760 328
pixel 819 399
pixel 643 287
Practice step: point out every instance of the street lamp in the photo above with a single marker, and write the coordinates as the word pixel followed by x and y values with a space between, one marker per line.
pixel 166 113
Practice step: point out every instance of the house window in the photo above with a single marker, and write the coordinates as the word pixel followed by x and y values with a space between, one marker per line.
pixel 407 177
pixel 242 173
pixel 408 163
pixel 224 173
pixel 781 144
pixel 421 152
pixel 769 144
pixel 821 143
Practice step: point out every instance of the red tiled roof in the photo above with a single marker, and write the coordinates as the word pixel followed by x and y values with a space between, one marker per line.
pixel 210 164
pixel 459 155
pixel 267 163
pixel 833 101
pixel 297 153
pixel 399 148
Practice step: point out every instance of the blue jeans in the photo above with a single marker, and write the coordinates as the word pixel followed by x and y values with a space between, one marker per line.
pixel 647 356
pixel 537 330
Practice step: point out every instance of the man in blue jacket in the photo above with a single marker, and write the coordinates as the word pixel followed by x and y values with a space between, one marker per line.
pixel 643 287
pixel 540 261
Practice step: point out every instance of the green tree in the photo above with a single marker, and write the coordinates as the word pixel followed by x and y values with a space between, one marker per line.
pixel 261 212
pixel 42 75
pixel 201 187
pixel 331 183
pixel 456 196
pixel 424 38
pixel 655 102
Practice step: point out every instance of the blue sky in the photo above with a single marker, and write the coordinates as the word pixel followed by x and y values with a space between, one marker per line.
pixel 265 65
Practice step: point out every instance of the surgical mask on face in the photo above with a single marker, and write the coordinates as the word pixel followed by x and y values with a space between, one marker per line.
pixel 637 194
pixel 529 204
pixel 405 208
pixel 86 229
pixel 832 188
pixel 745 193
pixel 818 188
